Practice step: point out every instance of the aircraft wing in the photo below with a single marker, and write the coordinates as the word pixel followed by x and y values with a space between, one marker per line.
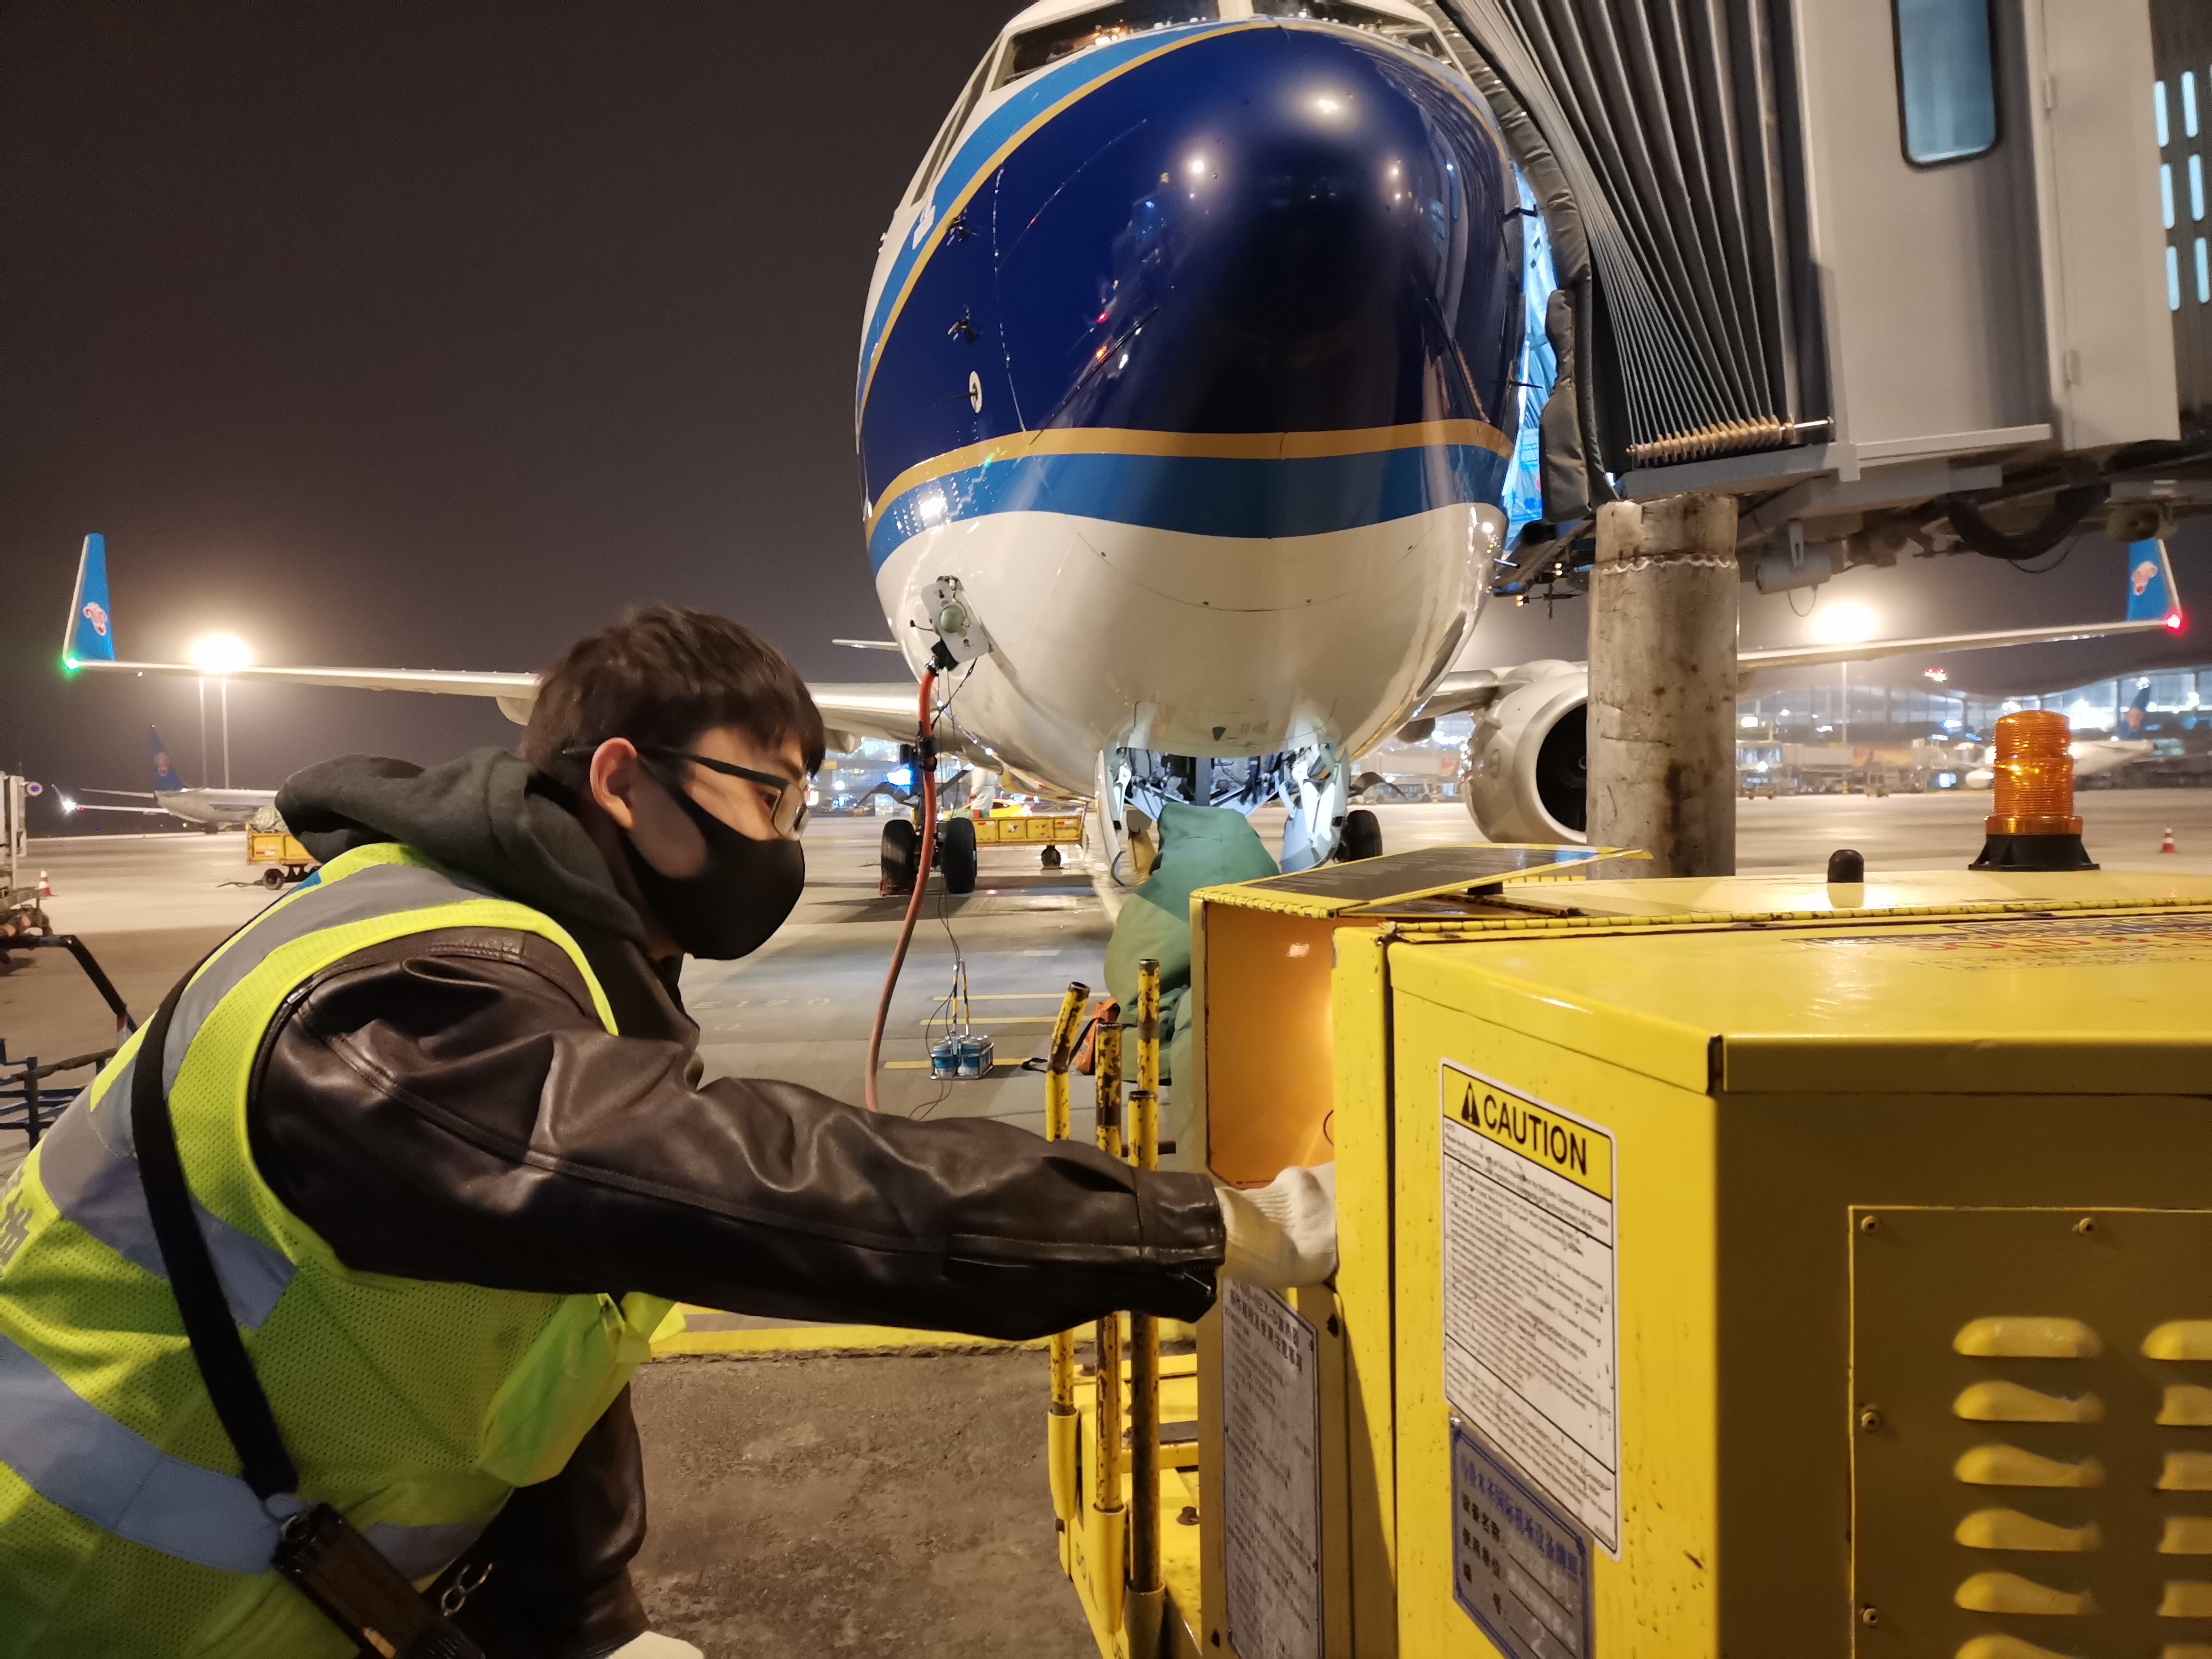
pixel 2153 606
pixel 89 645
pixel 70 805
pixel 1815 656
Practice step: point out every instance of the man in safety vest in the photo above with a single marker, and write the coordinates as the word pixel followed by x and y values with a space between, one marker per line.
pixel 435 1122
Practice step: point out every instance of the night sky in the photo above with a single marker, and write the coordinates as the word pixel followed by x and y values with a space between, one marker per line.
pixel 434 334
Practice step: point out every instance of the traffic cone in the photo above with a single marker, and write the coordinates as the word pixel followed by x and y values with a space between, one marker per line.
pixel 46 887
pixel 2166 845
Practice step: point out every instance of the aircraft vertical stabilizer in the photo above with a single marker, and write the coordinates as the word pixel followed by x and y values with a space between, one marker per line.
pixel 166 781
pixel 91 634
pixel 2151 596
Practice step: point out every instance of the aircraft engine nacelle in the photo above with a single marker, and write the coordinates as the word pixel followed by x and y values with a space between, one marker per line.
pixel 1524 775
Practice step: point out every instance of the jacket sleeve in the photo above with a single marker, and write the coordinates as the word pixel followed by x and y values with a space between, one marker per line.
pixel 558 1555
pixel 447 1107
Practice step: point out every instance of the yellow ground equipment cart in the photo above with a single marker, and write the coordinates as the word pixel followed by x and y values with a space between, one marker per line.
pixel 1029 829
pixel 280 854
pixel 1757 1266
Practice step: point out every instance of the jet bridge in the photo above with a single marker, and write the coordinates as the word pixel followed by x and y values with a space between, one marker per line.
pixel 1900 275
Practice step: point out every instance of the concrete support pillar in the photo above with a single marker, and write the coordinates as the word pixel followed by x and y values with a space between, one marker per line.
pixel 1662 682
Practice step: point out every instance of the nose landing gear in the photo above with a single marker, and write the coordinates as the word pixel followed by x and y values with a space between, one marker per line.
pixel 1361 836
pixel 956 855
pixel 902 851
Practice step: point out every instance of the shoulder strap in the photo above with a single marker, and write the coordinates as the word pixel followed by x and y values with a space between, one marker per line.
pixel 217 1349
pixel 335 1567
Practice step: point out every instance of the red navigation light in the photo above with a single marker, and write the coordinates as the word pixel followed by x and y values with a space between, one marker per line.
pixel 2173 622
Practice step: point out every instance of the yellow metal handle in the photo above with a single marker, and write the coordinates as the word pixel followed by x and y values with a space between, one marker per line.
pixel 1108 1418
pixel 1144 1330
pixel 1061 1444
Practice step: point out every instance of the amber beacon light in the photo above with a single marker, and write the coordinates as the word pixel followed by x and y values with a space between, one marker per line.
pixel 2034 827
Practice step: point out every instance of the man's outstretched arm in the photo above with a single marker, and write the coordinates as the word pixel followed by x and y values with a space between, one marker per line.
pixel 447 1107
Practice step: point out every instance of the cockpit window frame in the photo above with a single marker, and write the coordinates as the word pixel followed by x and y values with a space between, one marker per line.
pixel 1005 74
pixel 948 135
pixel 1415 35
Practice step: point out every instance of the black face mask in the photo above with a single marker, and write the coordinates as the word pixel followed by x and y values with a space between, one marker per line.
pixel 740 895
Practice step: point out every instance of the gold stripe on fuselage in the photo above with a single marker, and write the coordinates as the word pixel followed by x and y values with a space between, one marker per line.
pixel 1211 446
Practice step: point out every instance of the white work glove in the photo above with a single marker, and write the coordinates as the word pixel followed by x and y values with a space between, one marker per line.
pixel 1283 1234
pixel 653 1645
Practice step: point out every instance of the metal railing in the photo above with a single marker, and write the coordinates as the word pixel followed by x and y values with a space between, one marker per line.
pixel 1120 1531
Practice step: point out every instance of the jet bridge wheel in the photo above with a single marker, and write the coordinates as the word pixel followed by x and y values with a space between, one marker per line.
pixel 956 855
pixel 1361 837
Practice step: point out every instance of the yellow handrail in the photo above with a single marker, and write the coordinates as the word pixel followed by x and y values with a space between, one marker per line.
pixel 1145 1584
pixel 1061 1424
pixel 1108 1074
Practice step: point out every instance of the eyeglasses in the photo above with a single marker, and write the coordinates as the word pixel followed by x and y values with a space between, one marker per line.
pixel 788 811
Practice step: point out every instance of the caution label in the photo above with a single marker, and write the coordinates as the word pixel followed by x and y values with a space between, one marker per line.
pixel 1530 1284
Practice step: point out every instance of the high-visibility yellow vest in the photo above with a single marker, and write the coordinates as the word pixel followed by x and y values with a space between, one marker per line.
pixel 415 1408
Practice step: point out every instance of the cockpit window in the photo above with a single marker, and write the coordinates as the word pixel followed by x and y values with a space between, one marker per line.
pixel 1404 30
pixel 1037 48
pixel 950 131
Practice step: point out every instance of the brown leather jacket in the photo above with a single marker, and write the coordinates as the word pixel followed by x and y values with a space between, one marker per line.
pixel 448 1107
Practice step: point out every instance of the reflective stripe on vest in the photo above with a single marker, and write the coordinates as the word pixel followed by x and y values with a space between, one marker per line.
pixel 95 1183
pixel 64 1445
pixel 73 1455
pixel 88 1164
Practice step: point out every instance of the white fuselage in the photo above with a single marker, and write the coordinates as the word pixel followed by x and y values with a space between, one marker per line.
pixel 206 806
pixel 1112 635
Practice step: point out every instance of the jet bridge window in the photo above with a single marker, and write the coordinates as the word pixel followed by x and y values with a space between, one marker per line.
pixel 1404 30
pixel 1038 48
pixel 1946 80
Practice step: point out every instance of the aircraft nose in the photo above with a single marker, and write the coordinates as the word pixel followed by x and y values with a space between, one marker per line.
pixel 1271 228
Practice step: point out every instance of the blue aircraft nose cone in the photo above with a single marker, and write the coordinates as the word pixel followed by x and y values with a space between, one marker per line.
pixel 1281 227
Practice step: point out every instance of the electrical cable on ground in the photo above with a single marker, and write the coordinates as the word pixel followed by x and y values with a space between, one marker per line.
pixel 925 762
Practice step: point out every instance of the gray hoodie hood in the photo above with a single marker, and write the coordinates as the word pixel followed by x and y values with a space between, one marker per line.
pixel 488 815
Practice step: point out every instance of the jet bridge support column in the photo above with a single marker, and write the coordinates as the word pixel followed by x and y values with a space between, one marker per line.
pixel 1662 682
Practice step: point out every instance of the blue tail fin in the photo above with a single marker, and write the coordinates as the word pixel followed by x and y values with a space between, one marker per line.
pixel 2137 714
pixel 90 635
pixel 166 781
pixel 2151 596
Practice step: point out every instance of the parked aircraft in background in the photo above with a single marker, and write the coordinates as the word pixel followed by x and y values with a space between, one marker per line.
pixel 1188 381
pixel 208 808
pixel 2095 756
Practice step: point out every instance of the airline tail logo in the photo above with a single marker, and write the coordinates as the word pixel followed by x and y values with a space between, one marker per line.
pixel 91 623
pixel 2133 717
pixel 2151 593
pixel 166 779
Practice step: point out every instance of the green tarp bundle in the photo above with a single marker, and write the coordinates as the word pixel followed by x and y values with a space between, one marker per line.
pixel 1199 846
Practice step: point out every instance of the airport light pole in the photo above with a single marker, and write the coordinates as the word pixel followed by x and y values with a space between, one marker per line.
pixel 222 655
pixel 1845 623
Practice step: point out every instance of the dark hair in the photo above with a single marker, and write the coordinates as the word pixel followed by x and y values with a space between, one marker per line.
pixel 661 676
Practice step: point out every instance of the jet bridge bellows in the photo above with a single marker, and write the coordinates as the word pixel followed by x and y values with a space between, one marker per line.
pixel 1662 132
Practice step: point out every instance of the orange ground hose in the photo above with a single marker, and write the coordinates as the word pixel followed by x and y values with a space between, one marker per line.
pixel 925 762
